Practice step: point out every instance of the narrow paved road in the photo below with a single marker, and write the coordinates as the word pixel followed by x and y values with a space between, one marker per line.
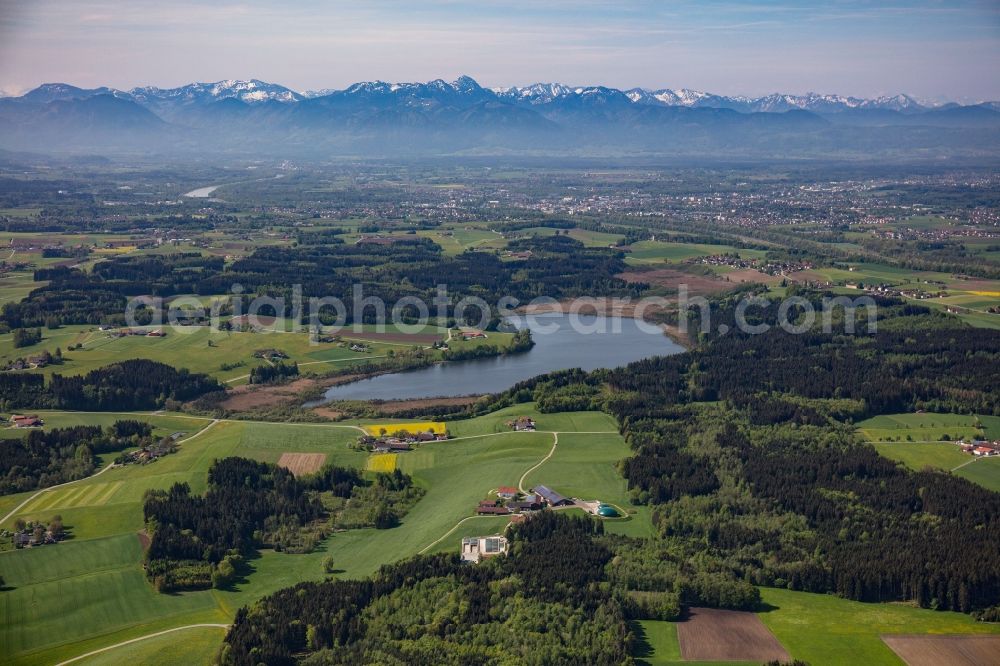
pixel 555 444
pixel 14 511
pixel 520 485
pixel 450 532
pixel 142 638
pixel 520 482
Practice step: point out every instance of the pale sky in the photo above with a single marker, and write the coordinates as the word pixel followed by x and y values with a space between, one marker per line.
pixel 927 48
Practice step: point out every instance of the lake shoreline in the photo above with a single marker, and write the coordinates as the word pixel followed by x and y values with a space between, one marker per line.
pixel 606 307
pixel 561 342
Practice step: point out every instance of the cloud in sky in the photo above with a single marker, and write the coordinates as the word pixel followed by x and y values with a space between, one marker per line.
pixel 924 47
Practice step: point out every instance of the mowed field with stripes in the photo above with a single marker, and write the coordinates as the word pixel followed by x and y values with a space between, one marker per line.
pixel 90 591
pixel 94 494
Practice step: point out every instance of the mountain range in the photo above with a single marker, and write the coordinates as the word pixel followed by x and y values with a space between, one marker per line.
pixel 256 91
pixel 461 116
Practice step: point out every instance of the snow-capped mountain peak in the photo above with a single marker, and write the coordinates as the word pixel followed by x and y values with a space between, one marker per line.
pixel 252 91
pixel 466 91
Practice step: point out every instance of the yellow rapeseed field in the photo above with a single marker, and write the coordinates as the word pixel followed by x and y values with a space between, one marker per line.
pixel 437 427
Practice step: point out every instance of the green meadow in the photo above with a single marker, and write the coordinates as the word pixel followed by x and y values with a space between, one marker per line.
pixel 985 472
pixel 657 252
pixel 824 629
pixel 926 427
pixel 90 592
pixel 196 645
pixel 820 629
pixel 919 455
pixel 915 440
pixel 92 585
pixel 16 286
pixel 228 356
pixel 496 422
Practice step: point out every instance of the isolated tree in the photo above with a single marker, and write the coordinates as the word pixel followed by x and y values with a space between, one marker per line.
pixel 56 526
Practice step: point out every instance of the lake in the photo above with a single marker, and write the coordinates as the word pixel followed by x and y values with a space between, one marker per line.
pixel 600 342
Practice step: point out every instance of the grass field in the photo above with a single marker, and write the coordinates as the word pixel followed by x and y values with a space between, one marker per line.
pixel 587 237
pixel 889 436
pixel 985 472
pixel 455 240
pixel 926 427
pixel 496 422
pixel 110 504
pixel 917 456
pixel 224 355
pixel 163 424
pixel 15 286
pixel 190 646
pixel 70 592
pixel 583 466
pixel 90 591
pixel 977 295
pixel 94 582
pixel 657 252
pixel 823 629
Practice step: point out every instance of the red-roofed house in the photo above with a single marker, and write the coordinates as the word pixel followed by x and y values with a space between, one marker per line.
pixel 26 421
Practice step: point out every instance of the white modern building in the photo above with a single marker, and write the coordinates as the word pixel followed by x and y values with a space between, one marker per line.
pixel 476 548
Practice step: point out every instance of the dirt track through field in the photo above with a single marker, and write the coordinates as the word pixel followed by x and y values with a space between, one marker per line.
pixel 302 463
pixel 950 650
pixel 711 634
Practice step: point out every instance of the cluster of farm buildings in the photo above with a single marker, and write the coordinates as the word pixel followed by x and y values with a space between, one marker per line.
pixel 34 361
pixel 150 452
pixel 26 421
pixel 34 533
pixel 520 507
pixel 522 424
pixel 980 448
pixel 399 441
pixel 510 500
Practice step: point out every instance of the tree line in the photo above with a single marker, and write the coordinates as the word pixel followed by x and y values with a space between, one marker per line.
pixel 198 541
pixel 125 386
pixel 47 458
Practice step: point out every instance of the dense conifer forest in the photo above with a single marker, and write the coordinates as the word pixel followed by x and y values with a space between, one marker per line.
pixel 129 385
pixel 434 609
pixel 555 266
